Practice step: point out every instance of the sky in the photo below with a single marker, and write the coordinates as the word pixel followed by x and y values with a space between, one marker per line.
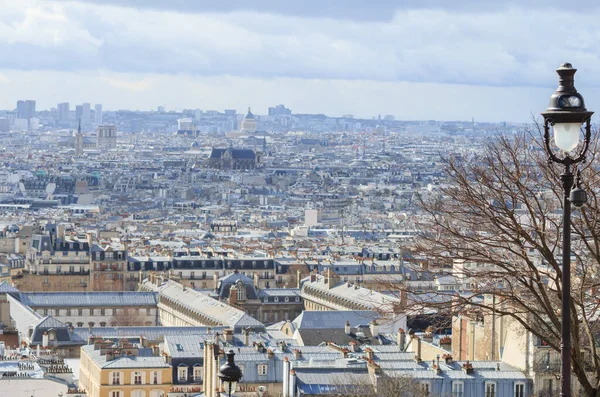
pixel 427 59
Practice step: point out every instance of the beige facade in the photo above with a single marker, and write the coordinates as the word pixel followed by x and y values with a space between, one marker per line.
pixel 123 372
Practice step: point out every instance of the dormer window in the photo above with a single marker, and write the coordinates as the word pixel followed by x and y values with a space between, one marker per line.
pixel 241 291
pixel 51 335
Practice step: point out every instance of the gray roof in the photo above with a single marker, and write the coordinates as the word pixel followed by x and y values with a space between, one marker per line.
pixel 145 359
pixel 75 299
pixel 200 303
pixel 334 319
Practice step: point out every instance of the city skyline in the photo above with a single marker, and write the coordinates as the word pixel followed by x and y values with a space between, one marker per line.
pixel 402 60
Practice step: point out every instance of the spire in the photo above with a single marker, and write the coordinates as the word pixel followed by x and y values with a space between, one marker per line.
pixel 249 109
pixel 79 127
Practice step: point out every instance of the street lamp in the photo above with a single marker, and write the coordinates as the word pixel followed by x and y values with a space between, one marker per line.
pixel 567 114
pixel 230 374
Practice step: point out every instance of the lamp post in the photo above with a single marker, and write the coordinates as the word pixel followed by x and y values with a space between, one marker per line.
pixel 230 374
pixel 566 114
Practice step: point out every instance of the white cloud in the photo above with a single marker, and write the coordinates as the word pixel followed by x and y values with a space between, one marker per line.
pixel 515 46
pixel 142 57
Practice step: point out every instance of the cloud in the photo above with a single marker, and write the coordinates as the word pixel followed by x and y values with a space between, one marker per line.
pixel 480 47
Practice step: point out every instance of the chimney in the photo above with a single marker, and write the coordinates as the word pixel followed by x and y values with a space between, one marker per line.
pixel 418 349
pixel 228 335
pixel 286 375
pixel 217 340
pixel 155 350
pixel 297 354
pixel 448 358
pixel 347 329
pixel 247 336
pixel 270 353
pixel 401 340
pixel 354 346
pixel 215 281
pixel 256 279
pixel 313 277
pixel 369 353
pixel 232 300
pixel 374 328
pixel 446 343
pixel 5 310
pixel 298 274
pixel 45 339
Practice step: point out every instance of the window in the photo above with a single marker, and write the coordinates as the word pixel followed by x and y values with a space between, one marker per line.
pixel 297 299
pixel 182 373
pixel 116 393
pixel 425 388
pixel 148 312
pixel 458 389
pixel 490 389
pixel 262 369
pixel 103 323
pixel 241 292
pixel 137 378
pixel 276 299
pixel 80 324
pixel 197 373
pixel 548 386
pixel 116 378
pixel 80 312
pixel 57 312
pixel 45 312
pixel 91 312
pixel 138 393
pixel 155 378
pixel 287 299
pixel 68 312
pixel 102 312
pixel 519 389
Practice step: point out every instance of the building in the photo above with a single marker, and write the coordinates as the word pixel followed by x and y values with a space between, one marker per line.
pixel 267 305
pixel 181 306
pixel 89 309
pixel 63 112
pixel 234 159
pixel 25 109
pixel 123 370
pixel 98 114
pixel 279 110
pixel 106 137
pixel 109 268
pixel 86 113
pixel 249 122
pixel 327 292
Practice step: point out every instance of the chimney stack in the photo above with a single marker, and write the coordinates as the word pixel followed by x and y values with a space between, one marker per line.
pixel 347 329
pixel 374 328
pixel 228 335
pixel 401 339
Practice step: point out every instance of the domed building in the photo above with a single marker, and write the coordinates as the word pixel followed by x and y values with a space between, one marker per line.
pixel 249 122
pixel 268 305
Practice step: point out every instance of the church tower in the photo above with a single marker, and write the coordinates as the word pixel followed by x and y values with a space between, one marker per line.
pixel 79 141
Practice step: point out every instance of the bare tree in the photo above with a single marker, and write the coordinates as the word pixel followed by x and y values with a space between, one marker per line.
pixel 495 225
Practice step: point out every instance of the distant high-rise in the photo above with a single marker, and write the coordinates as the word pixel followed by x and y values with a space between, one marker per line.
pixel 98 114
pixel 85 114
pixel 25 109
pixel 279 110
pixel 78 112
pixel 106 137
pixel 160 109
pixel 63 112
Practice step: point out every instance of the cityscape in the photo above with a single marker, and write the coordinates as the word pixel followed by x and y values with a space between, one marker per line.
pixel 278 246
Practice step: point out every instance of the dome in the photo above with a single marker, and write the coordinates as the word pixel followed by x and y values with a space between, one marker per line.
pixel 195 144
pixel 249 115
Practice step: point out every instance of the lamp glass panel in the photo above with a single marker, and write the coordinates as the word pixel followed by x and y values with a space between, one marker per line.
pixel 566 135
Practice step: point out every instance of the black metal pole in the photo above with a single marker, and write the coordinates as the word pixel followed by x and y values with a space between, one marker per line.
pixel 565 345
